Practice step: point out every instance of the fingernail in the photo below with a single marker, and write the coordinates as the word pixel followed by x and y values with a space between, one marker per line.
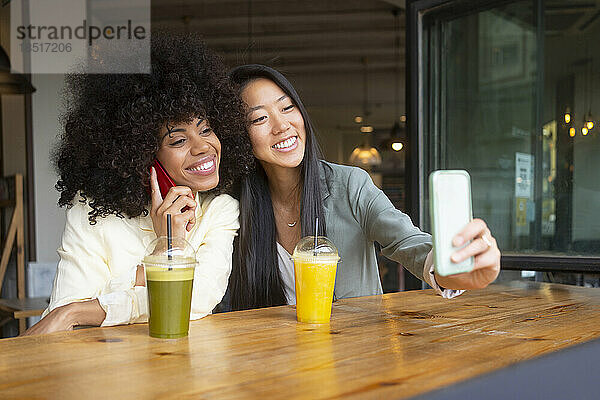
pixel 455 258
pixel 458 240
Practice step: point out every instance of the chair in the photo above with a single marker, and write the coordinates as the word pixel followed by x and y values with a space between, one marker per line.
pixel 21 307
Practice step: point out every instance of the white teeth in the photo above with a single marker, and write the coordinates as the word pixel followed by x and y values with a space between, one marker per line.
pixel 204 167
pixel 285 144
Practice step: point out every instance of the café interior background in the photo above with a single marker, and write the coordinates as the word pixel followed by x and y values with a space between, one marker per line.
pixel 347 59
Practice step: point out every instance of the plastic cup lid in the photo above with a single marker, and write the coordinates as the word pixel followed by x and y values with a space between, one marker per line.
pixel 324 248
pixel 179 253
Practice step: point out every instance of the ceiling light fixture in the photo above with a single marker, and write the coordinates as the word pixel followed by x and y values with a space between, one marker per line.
pixel 589 121
pixel 397 133
pixel 365 155
pixel 567 115
pixel 366 129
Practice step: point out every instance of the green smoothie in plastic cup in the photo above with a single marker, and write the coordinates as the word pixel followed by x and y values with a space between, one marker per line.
pixel 169 279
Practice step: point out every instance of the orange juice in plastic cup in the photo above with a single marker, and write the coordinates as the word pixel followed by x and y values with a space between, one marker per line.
pixel 314 270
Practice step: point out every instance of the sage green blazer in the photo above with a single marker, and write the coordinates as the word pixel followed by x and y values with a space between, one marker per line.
pixel 357 214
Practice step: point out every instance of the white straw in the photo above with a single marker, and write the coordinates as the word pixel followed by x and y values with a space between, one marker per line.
pixel 316 234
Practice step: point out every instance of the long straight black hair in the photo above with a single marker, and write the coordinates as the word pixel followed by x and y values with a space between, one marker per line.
pixel 255 279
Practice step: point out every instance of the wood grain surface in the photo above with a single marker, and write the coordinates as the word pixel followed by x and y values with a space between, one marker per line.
pixel 391 346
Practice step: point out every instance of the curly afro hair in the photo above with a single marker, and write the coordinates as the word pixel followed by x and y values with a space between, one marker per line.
pixel 112 123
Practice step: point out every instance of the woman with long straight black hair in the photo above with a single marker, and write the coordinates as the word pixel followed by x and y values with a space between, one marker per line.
pixel 291 186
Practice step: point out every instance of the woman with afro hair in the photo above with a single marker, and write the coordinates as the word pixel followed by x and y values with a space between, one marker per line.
pixel 186 115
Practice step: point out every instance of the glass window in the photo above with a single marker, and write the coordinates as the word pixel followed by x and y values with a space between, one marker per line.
pixel 514 98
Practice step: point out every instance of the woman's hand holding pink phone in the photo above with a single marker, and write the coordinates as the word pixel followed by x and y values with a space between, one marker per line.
pixel 179 202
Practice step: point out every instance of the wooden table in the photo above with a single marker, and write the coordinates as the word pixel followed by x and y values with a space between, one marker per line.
pixel 391 346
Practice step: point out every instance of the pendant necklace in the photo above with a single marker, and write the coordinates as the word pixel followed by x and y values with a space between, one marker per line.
pixel 292 224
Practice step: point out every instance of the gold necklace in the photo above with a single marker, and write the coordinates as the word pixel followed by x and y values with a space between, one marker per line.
pixel 281 211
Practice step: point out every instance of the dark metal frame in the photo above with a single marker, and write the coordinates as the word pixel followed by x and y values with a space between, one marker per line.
pixel 416 12
pixel 29 179
pixel 29 174
pixel 547 263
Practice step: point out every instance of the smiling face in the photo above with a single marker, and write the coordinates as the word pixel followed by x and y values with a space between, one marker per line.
pixel 191 154
pixel 276 126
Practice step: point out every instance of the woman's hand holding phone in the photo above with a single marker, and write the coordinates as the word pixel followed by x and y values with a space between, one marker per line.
pixel 483 248
pixel 177 199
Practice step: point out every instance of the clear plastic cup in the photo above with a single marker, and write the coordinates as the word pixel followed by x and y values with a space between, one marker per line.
pixel 315 267
pixel 169 279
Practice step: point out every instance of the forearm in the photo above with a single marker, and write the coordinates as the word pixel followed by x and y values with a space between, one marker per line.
pixel 86 313
pixel 66 317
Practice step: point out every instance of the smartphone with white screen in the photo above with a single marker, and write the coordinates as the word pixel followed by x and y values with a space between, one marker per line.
pixel 450 209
